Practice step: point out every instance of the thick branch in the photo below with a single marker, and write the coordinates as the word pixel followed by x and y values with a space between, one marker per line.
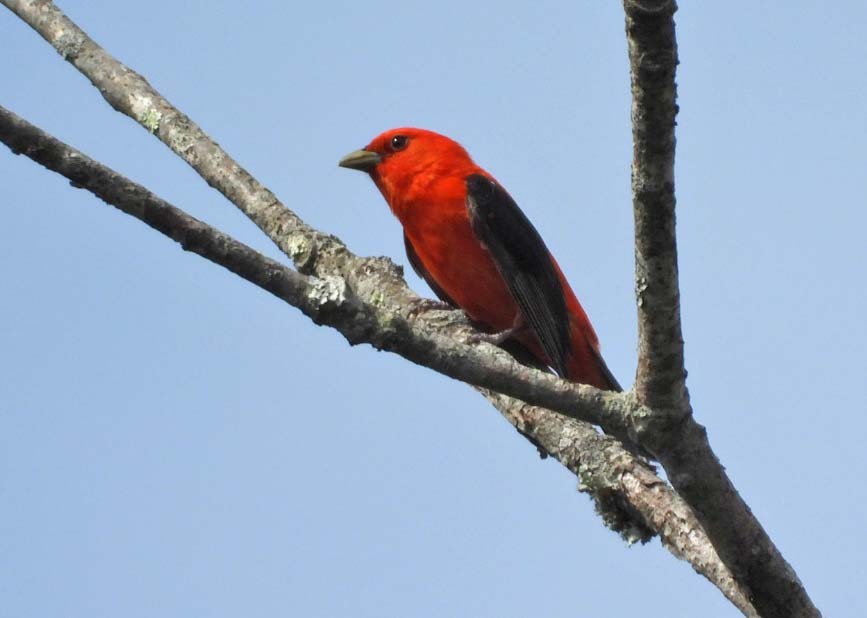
pixel 629 496
pixel 671 433
pixel 621 484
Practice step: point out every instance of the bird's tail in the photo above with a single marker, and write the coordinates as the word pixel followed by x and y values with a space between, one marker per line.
pixel 586 364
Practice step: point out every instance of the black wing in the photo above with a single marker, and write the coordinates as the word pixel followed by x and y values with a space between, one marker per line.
pixel 422 272
pixel 613 384
pixel 524 263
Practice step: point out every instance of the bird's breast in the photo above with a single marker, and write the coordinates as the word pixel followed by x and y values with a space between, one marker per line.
pixel 442 236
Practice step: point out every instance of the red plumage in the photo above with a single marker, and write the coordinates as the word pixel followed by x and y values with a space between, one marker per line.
pixel 477 250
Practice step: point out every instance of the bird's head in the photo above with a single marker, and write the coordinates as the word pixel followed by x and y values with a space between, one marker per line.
pixel 398 158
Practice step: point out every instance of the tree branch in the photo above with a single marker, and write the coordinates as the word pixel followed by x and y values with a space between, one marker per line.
pixel 671 432
pixel 602 464
pixel 629 496
pixel 661 379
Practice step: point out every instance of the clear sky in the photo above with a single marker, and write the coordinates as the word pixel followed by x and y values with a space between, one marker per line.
pixel 176 442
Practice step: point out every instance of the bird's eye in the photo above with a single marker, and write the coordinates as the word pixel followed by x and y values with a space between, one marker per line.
pixel 399 142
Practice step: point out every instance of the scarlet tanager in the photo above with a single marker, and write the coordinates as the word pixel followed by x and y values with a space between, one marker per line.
pixel 467 238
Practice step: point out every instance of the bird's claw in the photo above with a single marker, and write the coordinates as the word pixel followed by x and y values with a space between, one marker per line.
pixel 423 305
pixel 492 338
pixel 500 337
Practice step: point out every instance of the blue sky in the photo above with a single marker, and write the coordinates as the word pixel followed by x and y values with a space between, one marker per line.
pixel 175 442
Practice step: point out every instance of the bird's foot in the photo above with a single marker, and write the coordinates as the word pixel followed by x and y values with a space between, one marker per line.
pixel 492 338
pixel 423 305
pixel 500 337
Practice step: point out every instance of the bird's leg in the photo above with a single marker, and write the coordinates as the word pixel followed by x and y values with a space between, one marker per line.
pixel 517 326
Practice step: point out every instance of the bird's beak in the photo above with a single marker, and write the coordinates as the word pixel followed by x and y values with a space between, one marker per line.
pixel 363 160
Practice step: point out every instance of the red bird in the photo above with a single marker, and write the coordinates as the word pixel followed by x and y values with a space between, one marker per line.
pixel 467 238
